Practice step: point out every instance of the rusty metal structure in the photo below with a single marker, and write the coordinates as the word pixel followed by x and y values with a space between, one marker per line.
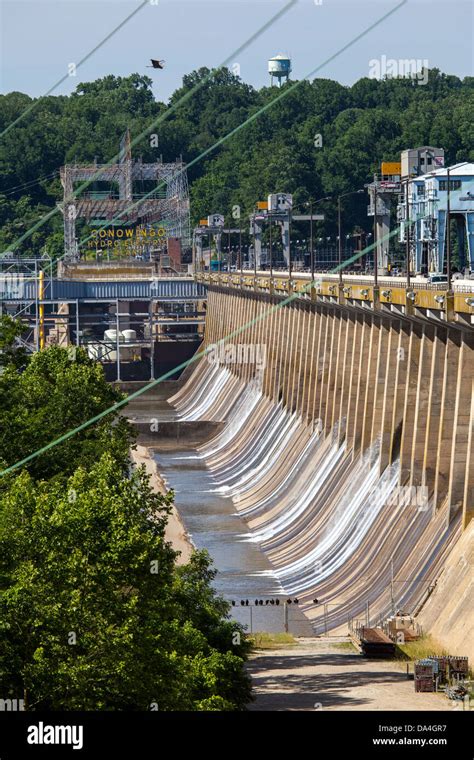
pixel 166 205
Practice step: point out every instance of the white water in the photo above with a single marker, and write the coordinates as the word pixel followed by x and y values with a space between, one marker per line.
pixel 214 380
pixel 284 521
pixel 348 523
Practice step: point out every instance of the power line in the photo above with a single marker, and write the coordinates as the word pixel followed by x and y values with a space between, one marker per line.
pixel 253 117
pixel 180 367
pixel 158 120
pixel 12 190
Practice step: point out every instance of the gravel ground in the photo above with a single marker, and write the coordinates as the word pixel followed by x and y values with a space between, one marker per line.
pixel 318 675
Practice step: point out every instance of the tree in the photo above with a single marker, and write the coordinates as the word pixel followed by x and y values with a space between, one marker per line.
pixel 93 614
pixel 11 354
pixel 360 126
pixel 58 391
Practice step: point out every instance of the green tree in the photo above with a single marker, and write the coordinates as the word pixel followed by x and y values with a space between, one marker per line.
pixel 360 126
pixel 93 614
pixel 58 391
pixel 12 354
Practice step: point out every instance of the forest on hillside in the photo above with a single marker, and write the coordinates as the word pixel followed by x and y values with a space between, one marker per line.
pixel 318 138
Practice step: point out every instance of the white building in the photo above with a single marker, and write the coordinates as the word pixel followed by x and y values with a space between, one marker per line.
pixel 427 201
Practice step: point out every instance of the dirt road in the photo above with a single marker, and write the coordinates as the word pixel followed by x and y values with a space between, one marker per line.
pixel 317 675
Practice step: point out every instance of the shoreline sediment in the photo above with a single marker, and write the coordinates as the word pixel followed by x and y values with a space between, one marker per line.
pixel 175 531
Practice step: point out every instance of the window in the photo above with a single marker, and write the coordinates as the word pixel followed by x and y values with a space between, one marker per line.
pixel 454 184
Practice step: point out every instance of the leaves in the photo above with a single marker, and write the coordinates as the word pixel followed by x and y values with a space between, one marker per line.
pixel 275 152
pixel 85 624
pixel 94 613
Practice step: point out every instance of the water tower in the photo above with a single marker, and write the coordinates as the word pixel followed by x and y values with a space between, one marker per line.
pixel 280 67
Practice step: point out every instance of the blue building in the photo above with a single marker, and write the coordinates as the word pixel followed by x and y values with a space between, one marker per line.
pixel 427 202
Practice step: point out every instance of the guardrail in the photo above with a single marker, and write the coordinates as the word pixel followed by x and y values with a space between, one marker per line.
pixel 419 298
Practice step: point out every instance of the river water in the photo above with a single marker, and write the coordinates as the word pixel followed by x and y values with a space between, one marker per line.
pixel 244 574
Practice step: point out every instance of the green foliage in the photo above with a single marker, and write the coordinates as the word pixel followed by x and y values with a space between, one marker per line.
pixel 11 354
pixel 360 126
pixel 56 393
pixel 93 614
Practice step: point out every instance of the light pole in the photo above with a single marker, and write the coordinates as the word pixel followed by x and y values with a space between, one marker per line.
pixel 270 242
pixel 407 230
pixel 376 242
pixel 448 236
pixel 344 195
pixel 240 246
pixel 289 246
pixel 254 251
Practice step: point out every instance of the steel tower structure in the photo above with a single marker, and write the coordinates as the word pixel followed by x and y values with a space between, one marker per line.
pixel 166 204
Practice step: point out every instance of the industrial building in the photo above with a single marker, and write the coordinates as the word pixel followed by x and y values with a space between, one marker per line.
pixel 133 205
pixel 419 184
pixel 430 198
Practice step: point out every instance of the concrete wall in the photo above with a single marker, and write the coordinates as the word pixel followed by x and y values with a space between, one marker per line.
pixel 318 446
pixel 449 613
pixel 405 382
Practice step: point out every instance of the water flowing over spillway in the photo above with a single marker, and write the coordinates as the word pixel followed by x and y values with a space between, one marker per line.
pixel 333 474
pixel 325 521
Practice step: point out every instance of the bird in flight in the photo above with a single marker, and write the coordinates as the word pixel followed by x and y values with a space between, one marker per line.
pixel 156 64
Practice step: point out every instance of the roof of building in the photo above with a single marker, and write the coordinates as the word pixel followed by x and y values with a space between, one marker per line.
pixel 457 170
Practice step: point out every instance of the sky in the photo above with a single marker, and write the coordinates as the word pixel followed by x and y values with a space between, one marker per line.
pixel 40 39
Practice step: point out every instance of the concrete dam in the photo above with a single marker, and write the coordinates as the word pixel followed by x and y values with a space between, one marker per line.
pixel 340 439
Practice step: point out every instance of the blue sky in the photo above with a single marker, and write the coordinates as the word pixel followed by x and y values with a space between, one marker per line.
pixel 40 38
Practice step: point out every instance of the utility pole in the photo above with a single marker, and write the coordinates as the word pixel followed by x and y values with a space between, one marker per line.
pixel 240 246
pixel 289 245
pixel 339 225
pixel 339 240
pixel 37 325
pixel 448 236
pixel 376 254
pixel 117 315
pixel 41 309
pixel 254 251
pixel 271 252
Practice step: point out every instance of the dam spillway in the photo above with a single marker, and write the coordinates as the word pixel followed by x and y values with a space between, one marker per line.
pixel 344 445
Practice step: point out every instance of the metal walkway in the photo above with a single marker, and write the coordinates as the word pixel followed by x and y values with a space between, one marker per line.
pixel 67 290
